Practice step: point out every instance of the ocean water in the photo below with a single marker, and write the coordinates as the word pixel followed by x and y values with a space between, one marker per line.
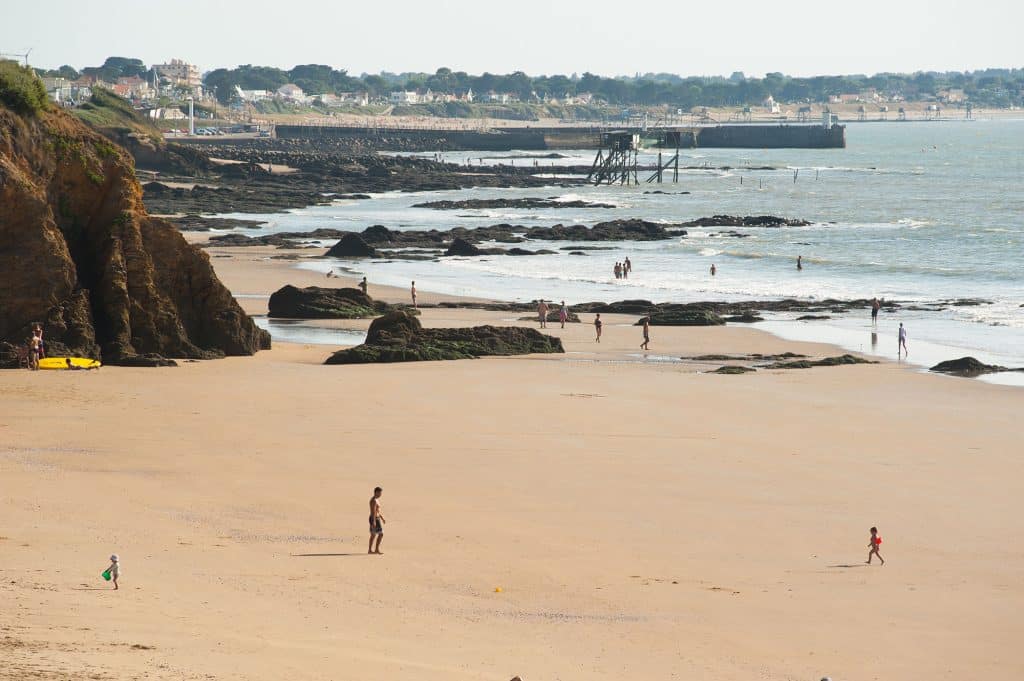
pixel 915 212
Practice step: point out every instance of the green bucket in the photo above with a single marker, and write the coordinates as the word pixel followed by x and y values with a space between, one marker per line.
pixel 106 575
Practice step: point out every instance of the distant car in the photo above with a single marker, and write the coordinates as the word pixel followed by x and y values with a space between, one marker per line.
pixel 264 133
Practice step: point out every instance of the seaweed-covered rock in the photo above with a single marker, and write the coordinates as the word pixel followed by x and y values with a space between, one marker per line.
pixel 968 367
pixel 351 245
pixel 399 337
pixel 746 221
pixel 460 246
pixel 826 362
pixel 692 317
pixel 733 369
pixel 314 302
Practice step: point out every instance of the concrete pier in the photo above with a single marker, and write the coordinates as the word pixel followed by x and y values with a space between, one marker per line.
pixel 726 136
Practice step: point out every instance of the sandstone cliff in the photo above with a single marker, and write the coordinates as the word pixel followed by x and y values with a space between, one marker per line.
pixel 79 253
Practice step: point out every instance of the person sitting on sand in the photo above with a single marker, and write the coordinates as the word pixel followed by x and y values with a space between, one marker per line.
pixel 376 521
pixel 542 312
pixel 875 542
pixel 114 569
pixel 597 327
pixel 364 285
pixel 413 292
pixel 563 314
pixel 647 332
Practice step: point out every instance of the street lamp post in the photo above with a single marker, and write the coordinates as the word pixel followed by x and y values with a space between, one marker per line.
pixel 191 116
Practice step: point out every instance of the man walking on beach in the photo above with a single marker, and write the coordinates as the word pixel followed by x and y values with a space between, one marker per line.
pixel 902 345
pixel 563 314
pixel 597 327
pixel 364 285
pixel 413 292
pixel 542 312
pixel 376 521
pixel 647 332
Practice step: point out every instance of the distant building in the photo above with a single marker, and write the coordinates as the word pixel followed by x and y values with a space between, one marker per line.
pixel 179 72
pixel 952 96
pixel 135 88
pixel 404 97
pixel 252 95
pixel 291 93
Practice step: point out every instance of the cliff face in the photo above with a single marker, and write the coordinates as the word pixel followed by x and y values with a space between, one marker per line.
pixel 79 254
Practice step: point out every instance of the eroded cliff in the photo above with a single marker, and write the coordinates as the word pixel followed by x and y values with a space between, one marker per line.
pixel 79 253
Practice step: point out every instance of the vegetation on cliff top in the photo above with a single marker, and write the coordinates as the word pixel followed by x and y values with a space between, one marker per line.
pixel 114 117
pixel 21 89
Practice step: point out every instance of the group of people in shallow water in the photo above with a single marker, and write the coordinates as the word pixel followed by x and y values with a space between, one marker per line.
pixel 622 269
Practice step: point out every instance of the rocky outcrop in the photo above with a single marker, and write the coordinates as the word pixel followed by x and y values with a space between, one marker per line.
pixel 691 317
pixel 399 337
pixel 826 362
pixel 746 221
pixel 351 245
pixel 969 367
pixel 314 302
pixel 460 246
pixel 79 253
pixel 525 203
pixel 733 369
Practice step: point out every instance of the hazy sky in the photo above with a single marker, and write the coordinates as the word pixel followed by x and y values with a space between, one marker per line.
pixel 535 36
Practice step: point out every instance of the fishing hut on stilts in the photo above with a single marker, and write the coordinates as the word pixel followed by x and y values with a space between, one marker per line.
pixel 616 160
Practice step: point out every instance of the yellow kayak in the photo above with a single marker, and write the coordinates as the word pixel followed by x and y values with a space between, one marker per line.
pixel 62 363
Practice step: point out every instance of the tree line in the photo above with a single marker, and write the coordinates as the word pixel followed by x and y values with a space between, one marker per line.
pixel 989 87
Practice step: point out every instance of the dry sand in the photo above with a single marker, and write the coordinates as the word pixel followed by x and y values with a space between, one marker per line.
pixel 643 520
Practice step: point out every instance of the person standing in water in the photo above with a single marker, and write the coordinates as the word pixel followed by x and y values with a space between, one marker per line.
pixel 902 345
pixel 628 265
pixel 647 332
pixel 874 543
pixel 597 327
pixel 413 292
pixel 542 312
pixel 376 521
pixel 713 269
pixel 563 314
pixel 799 262
pixel 875 306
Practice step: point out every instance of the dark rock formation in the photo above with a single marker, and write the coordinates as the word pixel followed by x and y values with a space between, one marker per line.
pixel 826 362
pixel 314 302
pixel 744 318
pixel 968 367
pixel 79 253
pixel 460 246
pixel 746 221
pixel 733 369
pixel 351 245
pixel 399 337
pixel 692 317
pixel 528 203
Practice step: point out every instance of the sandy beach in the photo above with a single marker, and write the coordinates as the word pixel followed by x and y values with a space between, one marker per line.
pixel 641 519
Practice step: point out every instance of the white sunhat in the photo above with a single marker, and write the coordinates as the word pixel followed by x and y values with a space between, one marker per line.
pixel 113 557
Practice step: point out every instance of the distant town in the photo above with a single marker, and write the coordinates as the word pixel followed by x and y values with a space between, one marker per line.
pixel 167 92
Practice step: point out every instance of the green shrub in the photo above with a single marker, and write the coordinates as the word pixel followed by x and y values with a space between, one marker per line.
pixel 21 89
